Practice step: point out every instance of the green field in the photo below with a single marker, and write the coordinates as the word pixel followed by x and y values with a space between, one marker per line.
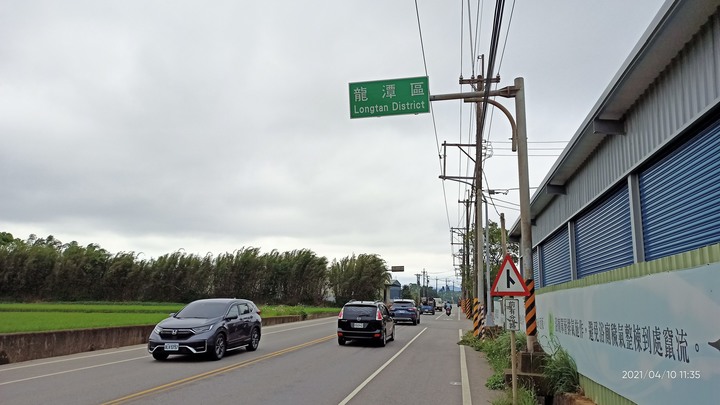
pixel 37 317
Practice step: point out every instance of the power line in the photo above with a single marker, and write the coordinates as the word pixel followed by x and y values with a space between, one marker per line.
pixel 432 112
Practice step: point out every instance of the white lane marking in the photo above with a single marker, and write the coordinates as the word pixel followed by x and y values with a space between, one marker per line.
pixel 72 371
pixel 143 347
pixel 464 374
pixel 373 375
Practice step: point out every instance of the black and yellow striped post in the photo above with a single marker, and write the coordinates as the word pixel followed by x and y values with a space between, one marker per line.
pixel 476 318
pixel 530 321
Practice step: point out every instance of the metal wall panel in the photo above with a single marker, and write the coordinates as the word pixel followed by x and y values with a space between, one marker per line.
pixel 680 197
pixel 536 268
pixel 688 86
pixel 556 259
pixel 603 236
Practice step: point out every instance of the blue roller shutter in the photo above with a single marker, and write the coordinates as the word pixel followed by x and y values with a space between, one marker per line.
pixel 556 259
pixel 536 268
pixel 603 236
pixel 680 197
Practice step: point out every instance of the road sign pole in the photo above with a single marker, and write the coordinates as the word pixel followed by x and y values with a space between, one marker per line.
pixel 513 366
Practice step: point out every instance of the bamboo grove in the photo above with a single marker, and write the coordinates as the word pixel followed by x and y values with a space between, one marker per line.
pixel 45 269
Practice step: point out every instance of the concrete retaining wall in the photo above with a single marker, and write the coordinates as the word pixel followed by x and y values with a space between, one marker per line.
pixel 17 347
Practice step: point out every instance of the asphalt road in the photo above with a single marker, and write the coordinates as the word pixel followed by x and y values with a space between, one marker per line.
pixel 297 363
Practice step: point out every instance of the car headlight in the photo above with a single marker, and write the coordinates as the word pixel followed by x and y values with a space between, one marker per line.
pixel 157 330
pixel 202 329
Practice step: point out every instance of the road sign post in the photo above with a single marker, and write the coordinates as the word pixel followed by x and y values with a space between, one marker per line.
pixel 509 283
pixel 389 97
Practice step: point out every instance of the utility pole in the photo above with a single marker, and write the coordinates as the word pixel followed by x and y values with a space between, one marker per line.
pixel 520 146
pixel 478 215
pixel 524 183
pixel 466 251
pixel 503 237
pixel 418 284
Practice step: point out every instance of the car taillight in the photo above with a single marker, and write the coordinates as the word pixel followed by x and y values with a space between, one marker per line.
pixel 340 314
pixel 411 309
pixel 378 316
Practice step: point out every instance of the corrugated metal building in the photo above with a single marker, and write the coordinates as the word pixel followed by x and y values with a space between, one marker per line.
pixel 636 196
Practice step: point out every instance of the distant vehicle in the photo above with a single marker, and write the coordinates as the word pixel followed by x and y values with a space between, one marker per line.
pixel 427 305
pixel 439 304
pixel 365 320
pixel 209 326
pixel 405 310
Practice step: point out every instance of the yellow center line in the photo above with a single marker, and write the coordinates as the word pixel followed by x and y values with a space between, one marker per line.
pixel 221 370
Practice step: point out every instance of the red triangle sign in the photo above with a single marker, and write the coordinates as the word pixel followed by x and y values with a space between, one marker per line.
pixel 509 282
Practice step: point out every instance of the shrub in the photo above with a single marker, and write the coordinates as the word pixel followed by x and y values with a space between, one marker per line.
pixel 497 351
pixel 561 372
pixel 525 396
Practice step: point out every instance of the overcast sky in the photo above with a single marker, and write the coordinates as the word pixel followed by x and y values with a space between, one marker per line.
pixel 205 127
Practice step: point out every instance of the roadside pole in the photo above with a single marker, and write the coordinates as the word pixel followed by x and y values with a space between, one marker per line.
pixel 513 366
pixel 509 284
pixel 524 183
pixel 479 242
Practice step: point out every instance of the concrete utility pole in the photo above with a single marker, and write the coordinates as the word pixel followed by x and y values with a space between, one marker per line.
pixel 524 183
pixel 520 146
pixel 418 284
pixel 503 236
pixel 479 241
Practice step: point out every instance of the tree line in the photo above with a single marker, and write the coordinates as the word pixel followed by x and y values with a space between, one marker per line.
pixel 45 269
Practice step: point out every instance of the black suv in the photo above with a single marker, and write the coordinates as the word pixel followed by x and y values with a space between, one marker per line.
pixel 209 326
pixel 365 320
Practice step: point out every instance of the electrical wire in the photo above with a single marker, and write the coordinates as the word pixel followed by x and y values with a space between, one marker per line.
pixel 432 112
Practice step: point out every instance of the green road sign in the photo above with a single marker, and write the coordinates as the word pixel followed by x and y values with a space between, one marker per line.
pixel 389 97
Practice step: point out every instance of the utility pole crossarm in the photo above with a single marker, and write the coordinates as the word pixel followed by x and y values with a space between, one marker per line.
pixel 507 92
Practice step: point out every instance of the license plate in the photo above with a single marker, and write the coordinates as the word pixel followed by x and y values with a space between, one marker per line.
pixel 172 347
pixel 358 325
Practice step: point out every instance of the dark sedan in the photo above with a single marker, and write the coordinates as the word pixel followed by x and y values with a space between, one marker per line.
pixel 210 326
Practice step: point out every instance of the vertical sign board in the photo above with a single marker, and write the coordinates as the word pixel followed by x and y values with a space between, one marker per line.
pixel 389 97
pixel 512 313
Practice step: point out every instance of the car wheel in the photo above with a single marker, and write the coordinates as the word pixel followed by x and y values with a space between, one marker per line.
pixel 418 320
pixel 160 355
pixel 383 340
pixel 218 350
pixel 414 322
pixel 254 340
pixel 341 341
pixel 392 335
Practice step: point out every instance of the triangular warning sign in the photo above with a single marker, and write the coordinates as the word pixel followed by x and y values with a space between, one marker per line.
pixel 509 282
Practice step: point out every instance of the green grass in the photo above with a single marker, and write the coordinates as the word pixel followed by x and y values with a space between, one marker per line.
pixel 39 317
pixel 12 322
pixel 93 307
pixel 525 396
pixel 497 351
pixel 562 373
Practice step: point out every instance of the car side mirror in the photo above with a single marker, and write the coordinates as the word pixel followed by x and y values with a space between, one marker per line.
pixel 231 317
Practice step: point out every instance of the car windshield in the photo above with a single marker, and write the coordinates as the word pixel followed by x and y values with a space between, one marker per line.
pixel 203 309
pixel 358 310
